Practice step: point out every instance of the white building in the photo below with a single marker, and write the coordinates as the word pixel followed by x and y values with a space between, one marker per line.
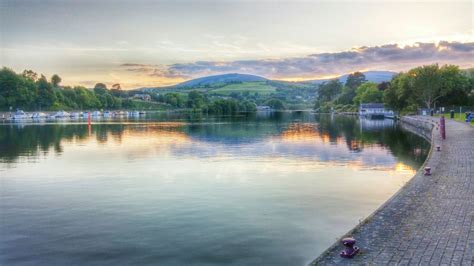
pixel 374 110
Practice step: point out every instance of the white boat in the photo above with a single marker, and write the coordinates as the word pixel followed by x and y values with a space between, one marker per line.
pixel 107 114
pixel 119 114
pixel 96 114
pixel 61 114
pixel 19 115
pixel 75 115
pixel 133 113
pixel 39 116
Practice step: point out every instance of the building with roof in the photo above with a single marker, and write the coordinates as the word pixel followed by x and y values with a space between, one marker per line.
pixel 374 111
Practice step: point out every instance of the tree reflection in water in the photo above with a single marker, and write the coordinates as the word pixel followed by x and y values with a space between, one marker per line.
pixel 18 140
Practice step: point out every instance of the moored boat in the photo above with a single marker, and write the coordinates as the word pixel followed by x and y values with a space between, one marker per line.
pixel 39 115
pixel 61 114
pixel 107 114
pixel 75 115
pixel 96 114
pixel 20 115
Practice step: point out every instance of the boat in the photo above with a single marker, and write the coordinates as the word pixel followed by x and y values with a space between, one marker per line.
pixel 61 114
pixel 96 114
pixel 134 113
pixel 39 115
pixel 20 115
pixel 119 114
pixel 107 114
pixel 75 115
pixel 142 113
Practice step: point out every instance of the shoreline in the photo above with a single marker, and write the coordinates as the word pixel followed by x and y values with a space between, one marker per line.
pixel 375 229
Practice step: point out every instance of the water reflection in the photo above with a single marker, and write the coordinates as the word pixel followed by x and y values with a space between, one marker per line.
pixel 273 134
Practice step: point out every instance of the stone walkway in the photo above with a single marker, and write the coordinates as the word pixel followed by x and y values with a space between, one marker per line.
pixel 428 222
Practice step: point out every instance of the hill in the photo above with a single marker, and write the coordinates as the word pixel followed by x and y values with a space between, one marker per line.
pixel 220 79
pixel 373 76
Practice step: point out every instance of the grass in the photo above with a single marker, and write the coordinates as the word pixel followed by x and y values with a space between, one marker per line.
pixel 261 87
pixel 457 117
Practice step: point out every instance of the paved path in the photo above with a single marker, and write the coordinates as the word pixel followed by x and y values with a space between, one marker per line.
pixel 431 220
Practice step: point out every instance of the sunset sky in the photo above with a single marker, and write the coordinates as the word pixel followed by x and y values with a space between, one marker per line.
pixel 157 43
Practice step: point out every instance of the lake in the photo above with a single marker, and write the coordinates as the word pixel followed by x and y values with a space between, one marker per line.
pixel 181 189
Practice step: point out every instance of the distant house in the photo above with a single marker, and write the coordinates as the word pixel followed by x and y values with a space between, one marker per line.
pixel 374 110
pixel 142 96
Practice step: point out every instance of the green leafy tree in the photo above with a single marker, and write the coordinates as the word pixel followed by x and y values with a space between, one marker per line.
pixel 368 93
pixel 431 82
pixel 328 90
pixel 354 80
pixel 196 100
pixel 275 104
pixel 30 74
pixel 396 96
pixel 46 96
pixel 55 80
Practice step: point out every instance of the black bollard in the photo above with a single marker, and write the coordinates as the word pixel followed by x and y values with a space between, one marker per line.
pixel 427 170
pixel 350 250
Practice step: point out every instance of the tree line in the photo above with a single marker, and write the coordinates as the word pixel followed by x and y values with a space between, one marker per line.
pixel 430 86
pixel 421 87
pixel 30 91
pixel 202 102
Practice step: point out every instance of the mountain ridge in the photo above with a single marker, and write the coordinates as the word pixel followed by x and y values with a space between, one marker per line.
pixel 373 76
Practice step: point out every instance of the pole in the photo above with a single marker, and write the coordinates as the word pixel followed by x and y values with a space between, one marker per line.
pixel 442 127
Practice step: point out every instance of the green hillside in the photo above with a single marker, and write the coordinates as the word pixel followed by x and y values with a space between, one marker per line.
pixel 260 87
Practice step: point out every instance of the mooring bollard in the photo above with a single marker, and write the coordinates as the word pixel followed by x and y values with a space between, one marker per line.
pixel 350 250
pixel 438 148
pixel 427 170
pixel 442 126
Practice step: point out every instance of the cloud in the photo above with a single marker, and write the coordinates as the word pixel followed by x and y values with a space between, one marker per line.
pixel 385 57
pixel 160 71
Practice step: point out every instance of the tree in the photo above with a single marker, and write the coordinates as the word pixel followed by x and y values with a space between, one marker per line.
pixel 275 104
pixel 46 96
pixel 430 83
pixel 354 80
pixel 16 90
pixel 328 90
pixel 55 80
pixel 396 96
pixel 30 74
pixel 456 84
pixel 368 93
pixel 116 86
pixel 248 106
pixel 383 85
pixel 100 86
pixel 196 99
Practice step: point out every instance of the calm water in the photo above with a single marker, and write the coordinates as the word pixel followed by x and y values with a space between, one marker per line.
pixel 275 189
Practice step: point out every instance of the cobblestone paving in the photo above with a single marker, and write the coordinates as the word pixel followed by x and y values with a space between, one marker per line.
pixel 431 220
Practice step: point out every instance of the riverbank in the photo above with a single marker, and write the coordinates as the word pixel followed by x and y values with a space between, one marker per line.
pixel 430 220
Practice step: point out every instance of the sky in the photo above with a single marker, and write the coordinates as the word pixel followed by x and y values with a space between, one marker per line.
pixel 143 43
